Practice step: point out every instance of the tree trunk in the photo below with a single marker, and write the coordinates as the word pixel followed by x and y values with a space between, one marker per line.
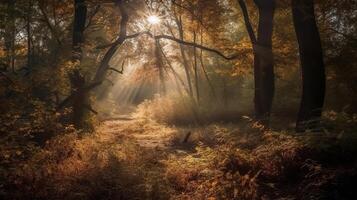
pixel 160 66
pixel 263 58
pixel 313 69
pixel 77 79
pixel 80 14
pixel 264 64
pixel 196 69
pixel 29 36
pixel 184 58
pixel 10 31
pixel 205 72
pixel 80 98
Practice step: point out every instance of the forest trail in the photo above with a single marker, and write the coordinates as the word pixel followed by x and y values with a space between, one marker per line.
pixel 144 135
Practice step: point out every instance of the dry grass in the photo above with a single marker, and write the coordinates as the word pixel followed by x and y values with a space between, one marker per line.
pixel 102 165
pixel 265 165
pixel 183 110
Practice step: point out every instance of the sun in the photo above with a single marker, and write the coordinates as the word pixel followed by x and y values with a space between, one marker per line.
pixel 153 19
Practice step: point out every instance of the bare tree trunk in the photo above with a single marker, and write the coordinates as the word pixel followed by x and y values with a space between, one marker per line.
pixel 77 79
pixel 80 15
pixel 204 68
pixel 196 68
pixel 184 58
pixel 263 58
pixel 313 69
pixel 264 65
pixel 160 66
pixel 29 36
pixel 10 31
pixel 177 77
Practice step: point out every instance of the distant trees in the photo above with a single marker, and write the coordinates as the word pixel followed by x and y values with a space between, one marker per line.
pixel 312 64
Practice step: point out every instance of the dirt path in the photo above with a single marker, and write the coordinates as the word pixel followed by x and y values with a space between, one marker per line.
pixel 144 133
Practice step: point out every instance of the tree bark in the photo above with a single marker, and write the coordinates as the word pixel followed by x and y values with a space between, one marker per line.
pixel 10 32
pixel 195 67
pixel 264 64
pixel 263 58
pixel 184 58
pixel 80 15
pixel 29 36
pixel 313 69
pixel 160 66
pixel 204 68
pixel 80 96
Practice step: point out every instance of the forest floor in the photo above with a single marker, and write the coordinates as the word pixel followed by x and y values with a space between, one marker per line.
pixel 130 158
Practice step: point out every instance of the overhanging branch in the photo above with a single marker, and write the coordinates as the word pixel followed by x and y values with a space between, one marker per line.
pixel 231 57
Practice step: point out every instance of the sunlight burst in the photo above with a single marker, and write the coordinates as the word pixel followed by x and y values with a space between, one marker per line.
pixel 153 19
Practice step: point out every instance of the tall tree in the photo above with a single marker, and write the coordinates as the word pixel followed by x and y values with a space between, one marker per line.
pixel 29 35
pixel 76 78
pixel 263 57
pixel 160 66
pixel 186 65
pixel 10 32
pixel 313 69
pixel 80 15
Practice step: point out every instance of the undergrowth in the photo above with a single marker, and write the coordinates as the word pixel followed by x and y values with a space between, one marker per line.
pixel 218 161
pixel 184 110
pixel 269 165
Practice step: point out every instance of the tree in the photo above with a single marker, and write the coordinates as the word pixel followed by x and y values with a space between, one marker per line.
pixel 313 69
pixel 10 33
pixel 29 35
pixel 263 58
pixel 76 78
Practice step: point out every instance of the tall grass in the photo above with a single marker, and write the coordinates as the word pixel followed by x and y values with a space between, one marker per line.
pixel 183 110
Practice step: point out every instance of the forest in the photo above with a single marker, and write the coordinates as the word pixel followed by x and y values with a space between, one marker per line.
pixel 178 99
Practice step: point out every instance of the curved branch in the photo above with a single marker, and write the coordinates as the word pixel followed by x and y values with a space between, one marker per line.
pixel 117 41
pixel 104 65
pixel 231 57
pixel 119 71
